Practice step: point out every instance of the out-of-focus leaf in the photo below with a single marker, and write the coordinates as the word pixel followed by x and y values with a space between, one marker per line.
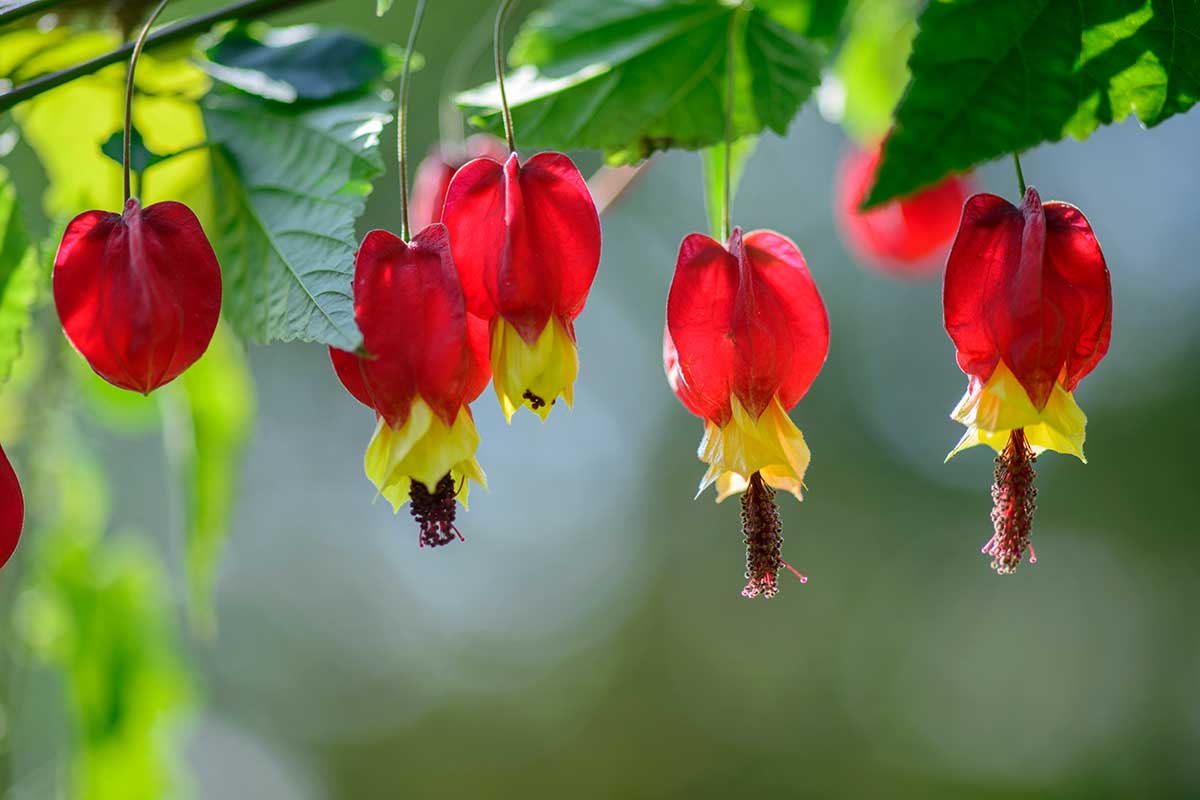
pixel 292 184
pixel 67 127
pixel 994 78
pixel 117 409
pixel 96 610
pixel 140 157
pixel 20 276
pixel 297 64
pixel 713 159
pixel 819 20
pixel 382 7
pixel 631 78
pixel 872 65
pixel 208 425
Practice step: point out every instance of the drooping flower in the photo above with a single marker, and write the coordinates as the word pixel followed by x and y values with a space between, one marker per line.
pixel 526 241
pixel 1028 305
pixel 746 335
pixel 438 168
pixel 12 509
pixel 138 293
pixel 905 238
pixel 425 361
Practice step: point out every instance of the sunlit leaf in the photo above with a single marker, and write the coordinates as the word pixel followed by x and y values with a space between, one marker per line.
pixel 991 78
pixel 67 127
pixel 292 184
pixel 631 78
pixel 20 276
pixel 301 63
pixel 382 7
pixel 872 65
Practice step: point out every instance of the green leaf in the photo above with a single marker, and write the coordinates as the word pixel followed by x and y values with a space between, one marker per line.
pixel 637 76
pixel 993 78
pixel 872 65
pixel 713 162
pixel 96 608
pixel 20 277
pixel 819 20
pixel 382 7
pixel 292 184
pixel 140 157
pixel 298 64
pixel 208 418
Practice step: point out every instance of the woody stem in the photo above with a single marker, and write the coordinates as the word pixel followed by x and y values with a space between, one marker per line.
pixel 498 46
pixel 402 118
pixel 133 60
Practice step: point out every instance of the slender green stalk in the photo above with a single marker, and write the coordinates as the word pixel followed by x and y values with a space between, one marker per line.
pixel 176 31
pixel 1020 174
pixel 137 53
pixel 729 70
pixel 498 44
pixel 402 118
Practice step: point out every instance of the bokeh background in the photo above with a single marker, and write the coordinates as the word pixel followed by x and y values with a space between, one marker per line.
pixel 588 640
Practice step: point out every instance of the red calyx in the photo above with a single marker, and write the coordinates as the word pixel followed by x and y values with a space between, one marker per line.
pixel 138 293
pixel 417 333
pixel 745 319
pixel 906 238
pixel 526 239
pixel 12 509
pixel 1027 286
pixel 438 168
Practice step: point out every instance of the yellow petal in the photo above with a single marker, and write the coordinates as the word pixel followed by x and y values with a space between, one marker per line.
pixel 771 445
pixel 423 449
pixel 533 376
pixel 992 411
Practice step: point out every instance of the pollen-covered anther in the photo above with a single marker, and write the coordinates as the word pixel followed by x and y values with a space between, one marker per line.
pixel 434 512
pixel 1014 500
pixel 762 534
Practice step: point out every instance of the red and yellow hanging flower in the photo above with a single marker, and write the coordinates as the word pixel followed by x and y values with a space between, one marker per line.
pixel 526 240
pixel 1028 305
pixel 425 361
pixel 746 335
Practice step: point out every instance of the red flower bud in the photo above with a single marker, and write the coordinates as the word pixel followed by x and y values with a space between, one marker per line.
pixel 138 293
pixel 436 170
pixel 1028 287
pixel 906 238
pixel 526 241
pixel 12 509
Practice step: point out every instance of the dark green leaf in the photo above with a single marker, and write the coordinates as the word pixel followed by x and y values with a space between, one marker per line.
pixel 140 156
pixel 636 76
pixel 20 276
pixel 991 78
pixel 297 64
pixel 292 184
